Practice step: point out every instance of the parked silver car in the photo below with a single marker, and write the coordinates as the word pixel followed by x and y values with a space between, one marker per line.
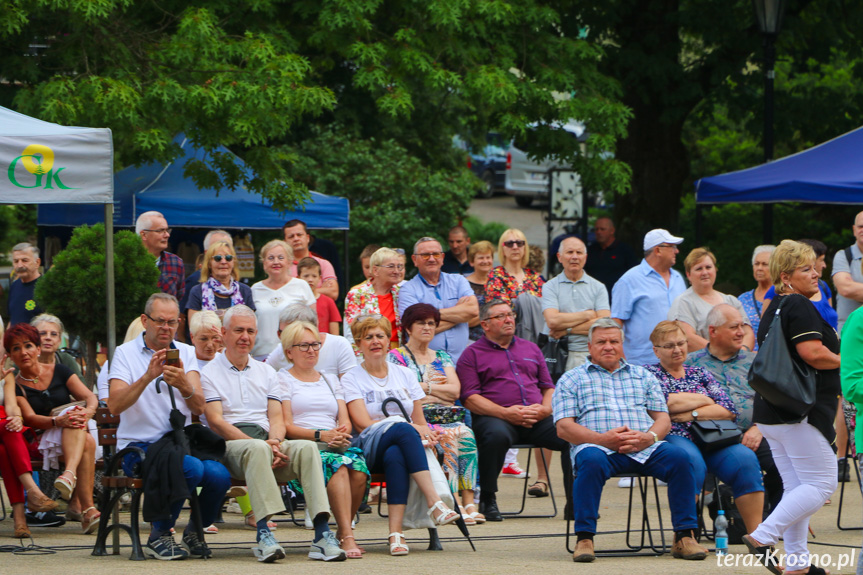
pixel 527 179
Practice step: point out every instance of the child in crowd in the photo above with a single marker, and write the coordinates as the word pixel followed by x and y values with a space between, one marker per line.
pixel 329 318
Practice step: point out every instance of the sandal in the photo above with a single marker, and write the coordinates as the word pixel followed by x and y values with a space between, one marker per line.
pixel 398 547
pixel 91 523
pixel 475 514
pixel 252 524
pixel 468 520
pixel 211 530
pixel 64 486
pixel 353 553
pixel 41 503
pixel 73 515
pixel 446 515
pixel 766 554
pixel 537 491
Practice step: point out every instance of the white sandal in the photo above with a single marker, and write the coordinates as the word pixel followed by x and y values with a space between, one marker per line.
pixel 446 516
pixel 475 514
pixel 468 520
pixel 398 543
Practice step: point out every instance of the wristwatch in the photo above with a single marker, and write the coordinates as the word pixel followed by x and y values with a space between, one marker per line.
pixel 653 433
pixel 569 331
pixel 317 435
pixel 694 415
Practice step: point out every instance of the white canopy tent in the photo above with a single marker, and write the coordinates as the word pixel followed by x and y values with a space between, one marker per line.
pixel 45 163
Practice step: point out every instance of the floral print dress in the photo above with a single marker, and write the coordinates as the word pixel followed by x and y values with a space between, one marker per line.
pixel 501 285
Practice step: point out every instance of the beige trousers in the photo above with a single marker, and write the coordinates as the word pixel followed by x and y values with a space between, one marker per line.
pixel 252 460
pixel 575 358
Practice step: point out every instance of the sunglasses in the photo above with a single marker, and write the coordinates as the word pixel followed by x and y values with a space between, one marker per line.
pixel 228 258
pixel 514 243
pixel 430 255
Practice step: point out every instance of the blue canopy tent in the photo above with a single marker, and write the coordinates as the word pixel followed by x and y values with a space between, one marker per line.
pixel 829 173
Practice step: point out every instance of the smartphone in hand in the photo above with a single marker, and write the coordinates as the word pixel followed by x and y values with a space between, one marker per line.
pixel 172 357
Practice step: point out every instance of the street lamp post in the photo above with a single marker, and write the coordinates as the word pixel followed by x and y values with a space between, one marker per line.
pixel 769 14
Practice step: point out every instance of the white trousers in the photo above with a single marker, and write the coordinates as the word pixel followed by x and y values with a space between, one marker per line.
pixel 808 468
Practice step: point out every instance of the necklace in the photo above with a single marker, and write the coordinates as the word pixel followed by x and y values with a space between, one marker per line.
pixel 375 378
pixel 34 381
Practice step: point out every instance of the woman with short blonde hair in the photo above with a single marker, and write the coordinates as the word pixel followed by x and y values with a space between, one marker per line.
pixel 377 295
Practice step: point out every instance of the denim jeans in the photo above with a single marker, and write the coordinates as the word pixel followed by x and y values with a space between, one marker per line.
pixel 735 465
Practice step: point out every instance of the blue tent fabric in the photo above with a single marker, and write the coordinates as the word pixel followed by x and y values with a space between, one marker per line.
pixel 165 189
pixel 830 173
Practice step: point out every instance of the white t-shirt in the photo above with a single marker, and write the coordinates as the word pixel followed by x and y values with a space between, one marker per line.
pixel 244 394
pixel 313 404
pixel 400 383
pixel 336 356
pixel 269 303
pixel 103 382
pixel 146 420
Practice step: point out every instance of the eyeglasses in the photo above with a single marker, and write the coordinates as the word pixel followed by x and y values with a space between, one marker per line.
pixel 514 243
pixel 399 251
pixel 670 346
pixel 172 323
pixel 430 255
pixel 502 316
pixel 228 258
pixel 369 316
pixel 306 346
pixel 392 267
pixel 672 246
pixel 160 231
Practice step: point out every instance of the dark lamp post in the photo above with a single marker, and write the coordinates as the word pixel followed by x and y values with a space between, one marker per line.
pixel 769 14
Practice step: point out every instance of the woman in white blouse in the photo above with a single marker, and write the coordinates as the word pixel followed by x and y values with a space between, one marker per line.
pixel 314 408
pixel 275 293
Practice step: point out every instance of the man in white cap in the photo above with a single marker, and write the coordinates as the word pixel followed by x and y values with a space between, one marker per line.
pixel 642 297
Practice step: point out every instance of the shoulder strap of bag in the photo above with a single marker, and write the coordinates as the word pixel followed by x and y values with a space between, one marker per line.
pixel 327 381
pixel 848 255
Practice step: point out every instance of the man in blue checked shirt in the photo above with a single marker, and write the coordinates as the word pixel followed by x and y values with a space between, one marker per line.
pixel 614 415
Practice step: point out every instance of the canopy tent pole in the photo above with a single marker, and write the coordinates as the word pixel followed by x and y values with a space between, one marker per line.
pixel 347 261
pixel 109 279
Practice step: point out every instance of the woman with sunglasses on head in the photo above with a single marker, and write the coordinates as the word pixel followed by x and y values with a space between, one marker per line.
pixel 275 293
pixel 219 289
pixel 51 334
pixel 65 433
pixel 393 448
pixel 378 295
pixel 314 407
pixel 512 277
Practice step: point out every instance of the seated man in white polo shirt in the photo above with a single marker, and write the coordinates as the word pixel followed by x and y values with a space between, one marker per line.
pixel 134 370
pixel 244 406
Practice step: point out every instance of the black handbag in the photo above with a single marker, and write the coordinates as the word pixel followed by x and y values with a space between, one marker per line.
pixel 713 434
pixel 781 380
pixel 556 352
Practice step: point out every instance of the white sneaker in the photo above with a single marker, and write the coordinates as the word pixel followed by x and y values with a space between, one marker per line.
pixel 308 521
pixel 233 507
pixel 625 482
pixel 268 549
pixel 327 549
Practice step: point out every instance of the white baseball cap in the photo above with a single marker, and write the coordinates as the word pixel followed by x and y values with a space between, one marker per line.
pixel 659 236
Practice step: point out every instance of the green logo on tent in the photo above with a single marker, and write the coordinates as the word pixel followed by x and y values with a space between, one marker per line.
pixel 39 161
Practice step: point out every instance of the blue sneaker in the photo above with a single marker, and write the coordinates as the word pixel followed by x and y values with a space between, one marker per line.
pixel 268 549
pixel 327 549
pixel 165 549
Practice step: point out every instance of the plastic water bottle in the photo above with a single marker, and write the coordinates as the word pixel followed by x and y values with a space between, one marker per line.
pixel 720 527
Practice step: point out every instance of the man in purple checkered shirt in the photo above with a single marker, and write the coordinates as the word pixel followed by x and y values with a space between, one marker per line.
pixel 614 415
pixel 154 232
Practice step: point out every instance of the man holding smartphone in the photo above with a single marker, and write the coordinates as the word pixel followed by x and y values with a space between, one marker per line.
pixel 134 370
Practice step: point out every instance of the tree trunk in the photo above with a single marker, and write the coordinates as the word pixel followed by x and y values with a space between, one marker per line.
pixel 92 365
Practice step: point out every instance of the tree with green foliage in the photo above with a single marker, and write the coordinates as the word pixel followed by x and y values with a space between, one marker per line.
pixel 73 288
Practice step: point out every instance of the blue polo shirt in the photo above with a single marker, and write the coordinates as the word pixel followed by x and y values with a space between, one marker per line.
pixel 445 294
pixel 641 299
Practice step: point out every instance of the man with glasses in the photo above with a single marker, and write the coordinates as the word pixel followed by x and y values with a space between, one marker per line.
pixel 506 386
pixel 154 231
pixel 449 293
pixel 642 297
pixel 244 406
pixel 136 369
pixel 455 260
pixel 299 239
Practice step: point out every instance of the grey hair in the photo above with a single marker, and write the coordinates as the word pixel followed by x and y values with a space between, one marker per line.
pixel 560 245
pixel 604 323
pixel 26 246
pixel 159 296
pixel 381 255
pixel 209 238
pixel 145 220
pixel 766 248
pixel 47 318
pixel 423 240
pixel 486 308
pixel 238 310
pixel 297 312
pixel 202 320
pixel 717 315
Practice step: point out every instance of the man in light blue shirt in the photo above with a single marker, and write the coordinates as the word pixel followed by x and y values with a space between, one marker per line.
pixel 449 293
pixel 642 297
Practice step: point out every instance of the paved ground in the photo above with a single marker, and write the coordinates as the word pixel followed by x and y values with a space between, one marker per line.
pixel 539 550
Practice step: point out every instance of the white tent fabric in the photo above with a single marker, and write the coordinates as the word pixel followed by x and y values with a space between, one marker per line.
pixel 45 163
